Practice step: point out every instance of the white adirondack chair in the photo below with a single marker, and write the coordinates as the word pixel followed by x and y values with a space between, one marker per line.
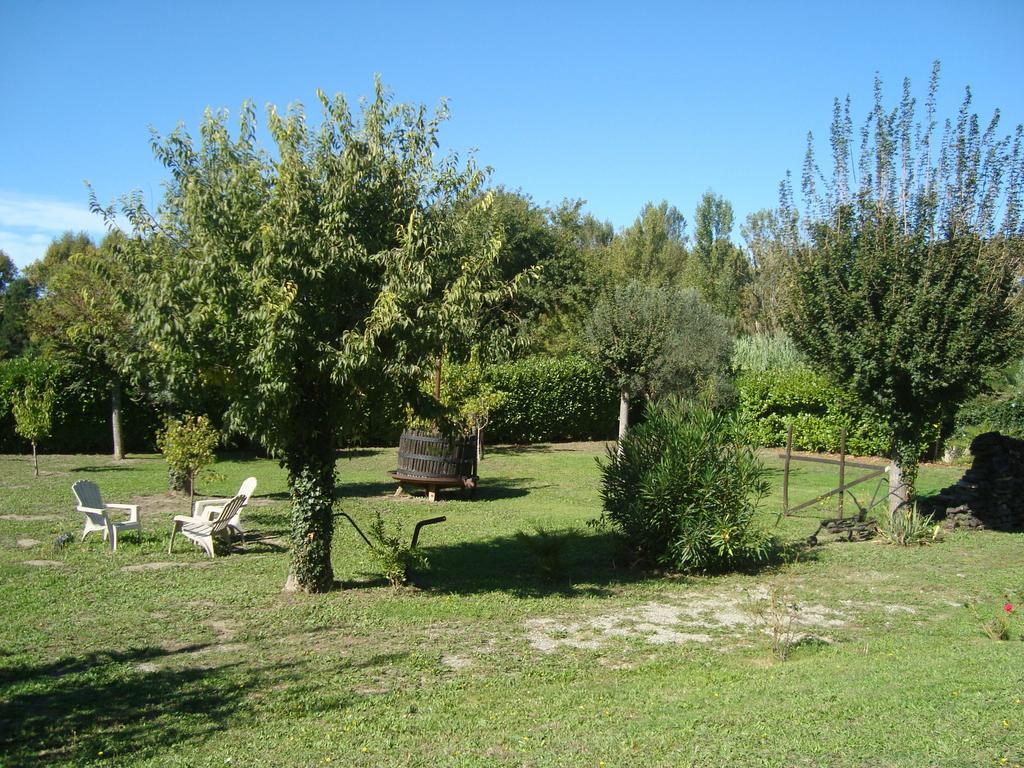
pixel 207 508
pixel 201 531
pixel 90 504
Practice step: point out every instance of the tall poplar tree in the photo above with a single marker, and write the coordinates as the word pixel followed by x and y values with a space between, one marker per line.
pixel 906 282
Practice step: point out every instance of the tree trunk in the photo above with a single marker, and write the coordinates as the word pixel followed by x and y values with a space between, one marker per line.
pixel 115 417
pixel 623 417
pixel 35 460
pixel 311 480
pixel 479 444
pixel 899 488
pixel 437 378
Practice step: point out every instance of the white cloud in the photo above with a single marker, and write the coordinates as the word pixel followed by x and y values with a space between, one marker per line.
pixel 40 213
pixel 28 224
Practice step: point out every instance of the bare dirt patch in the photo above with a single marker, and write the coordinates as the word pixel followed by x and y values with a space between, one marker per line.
pixel 31 518
pixel 455 662
pixel 162 566
pixel 696 618
pixel 27 543
pixel 44 563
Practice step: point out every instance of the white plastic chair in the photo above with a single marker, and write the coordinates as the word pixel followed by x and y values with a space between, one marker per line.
pixel 201 531
pixel 207 508
pixel 90 504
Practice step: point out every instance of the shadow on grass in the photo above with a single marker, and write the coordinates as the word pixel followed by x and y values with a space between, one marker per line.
pixel 102 468
pixel 509 564
pixel 488 490
pixel 517 450
pixel 104 706
pixel 583 563
pixel 362 453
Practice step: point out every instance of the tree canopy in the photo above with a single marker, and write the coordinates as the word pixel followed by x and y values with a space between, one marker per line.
pixel 295 280
pixel 907 286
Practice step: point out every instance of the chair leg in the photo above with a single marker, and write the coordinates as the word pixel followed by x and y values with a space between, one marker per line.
pixel 113 539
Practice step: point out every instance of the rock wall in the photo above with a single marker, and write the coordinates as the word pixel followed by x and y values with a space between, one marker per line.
pixel 991 493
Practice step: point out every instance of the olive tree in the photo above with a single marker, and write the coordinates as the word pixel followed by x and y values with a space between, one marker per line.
pixel 906 287
pixel 295 280
pixel 655 340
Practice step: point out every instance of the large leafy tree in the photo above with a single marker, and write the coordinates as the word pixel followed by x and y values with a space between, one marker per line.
pixel 907 286
pixel 717 268
pixel 765 235
pixel 652 249
pixel 80 319
pixel 17 294
pixel 294 281
pixel 657 340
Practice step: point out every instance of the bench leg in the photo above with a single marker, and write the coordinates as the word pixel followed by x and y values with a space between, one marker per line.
pixel 431 493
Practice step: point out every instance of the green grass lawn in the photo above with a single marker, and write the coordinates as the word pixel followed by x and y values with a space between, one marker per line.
pixel 119 659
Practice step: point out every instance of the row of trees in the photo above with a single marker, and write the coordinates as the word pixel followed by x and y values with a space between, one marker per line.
pixel 276 289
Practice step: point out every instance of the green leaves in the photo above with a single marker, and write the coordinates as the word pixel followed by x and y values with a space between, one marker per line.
pixel 683 490
pixel 290 282
pixel 653 341
pixel 905 290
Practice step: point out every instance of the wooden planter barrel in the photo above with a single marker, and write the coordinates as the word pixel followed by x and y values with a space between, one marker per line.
pixel 432 461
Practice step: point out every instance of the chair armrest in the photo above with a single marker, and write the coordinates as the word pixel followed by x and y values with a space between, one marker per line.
pixel 198 506
pixel 94 510
pixel 131 509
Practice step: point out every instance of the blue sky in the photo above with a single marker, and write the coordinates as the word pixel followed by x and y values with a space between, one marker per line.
pixel 616 103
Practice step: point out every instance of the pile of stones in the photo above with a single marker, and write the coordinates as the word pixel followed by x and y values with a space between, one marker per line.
pixel 991 493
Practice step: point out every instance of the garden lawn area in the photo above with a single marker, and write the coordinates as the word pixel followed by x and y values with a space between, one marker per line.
pixel 143 658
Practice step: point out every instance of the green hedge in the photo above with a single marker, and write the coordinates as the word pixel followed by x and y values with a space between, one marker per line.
pixel 817 409
pixel 550 399
pixel 81 421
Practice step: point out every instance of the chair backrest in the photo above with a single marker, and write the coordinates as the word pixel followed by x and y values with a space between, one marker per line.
pixel 220 520
pixel 246 488
pixel 88 494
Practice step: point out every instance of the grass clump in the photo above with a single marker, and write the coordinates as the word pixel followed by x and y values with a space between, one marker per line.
pixel 907 527
pixel 683 491
pixel 549 548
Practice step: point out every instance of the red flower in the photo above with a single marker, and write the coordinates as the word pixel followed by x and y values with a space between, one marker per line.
pixel 1008 607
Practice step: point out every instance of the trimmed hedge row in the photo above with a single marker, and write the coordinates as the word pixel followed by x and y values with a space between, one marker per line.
pixel 81 421
pixel 818 410
pixel 549 399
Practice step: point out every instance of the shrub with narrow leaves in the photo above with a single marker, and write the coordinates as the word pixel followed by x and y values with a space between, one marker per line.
pixel 684 490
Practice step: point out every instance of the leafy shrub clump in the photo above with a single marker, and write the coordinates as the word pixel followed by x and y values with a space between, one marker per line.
pixel 395 558
pixel 549 549
pixel 907 527
pixel 187 445
pixel 683 491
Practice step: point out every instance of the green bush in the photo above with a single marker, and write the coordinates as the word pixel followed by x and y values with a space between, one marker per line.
pixel 771 400
pixel 550 399
pixel 684 491
pixel 394 557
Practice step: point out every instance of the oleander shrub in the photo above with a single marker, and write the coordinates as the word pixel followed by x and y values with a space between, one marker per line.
pixel 684 489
